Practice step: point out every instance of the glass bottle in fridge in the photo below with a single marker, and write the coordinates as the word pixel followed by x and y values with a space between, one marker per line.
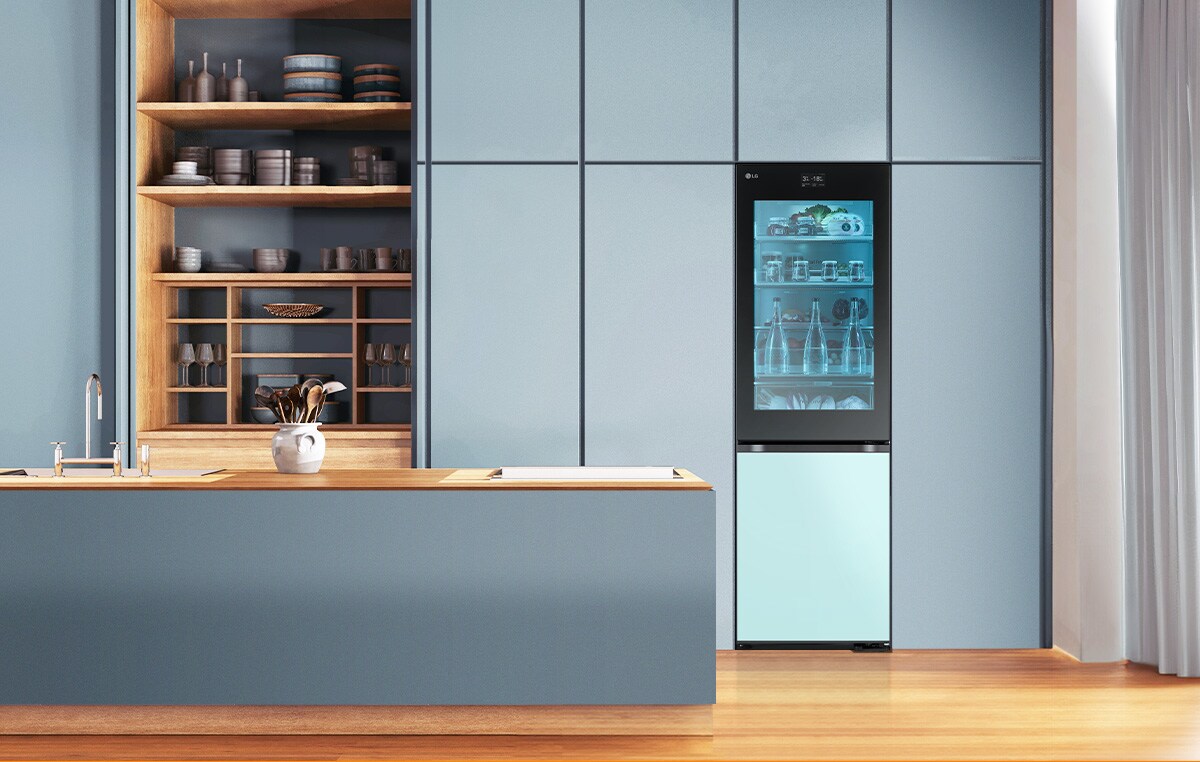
pixel 777 359
pixel 854 348
pixel 816 353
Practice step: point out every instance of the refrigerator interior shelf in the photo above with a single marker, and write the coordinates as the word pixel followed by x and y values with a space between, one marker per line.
pixel 816 238
pixel 803 326
pixel 817 283
pixel 798 378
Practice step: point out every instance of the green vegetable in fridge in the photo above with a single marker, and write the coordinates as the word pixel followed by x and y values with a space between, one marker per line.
pixel 819 212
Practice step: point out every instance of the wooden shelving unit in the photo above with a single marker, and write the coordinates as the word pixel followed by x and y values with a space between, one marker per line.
pixel 350 197
pixel 287 9
pixel 280 116
pixel 362 440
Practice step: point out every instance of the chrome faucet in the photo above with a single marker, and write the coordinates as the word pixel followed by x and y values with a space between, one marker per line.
pixel 87 459
pixel 87 411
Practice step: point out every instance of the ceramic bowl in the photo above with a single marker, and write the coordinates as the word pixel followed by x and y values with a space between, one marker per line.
pixel 391 70
pixel 271 260
pixel 263 415
pixel 378 82
pixel 277 380
pixel 312 82
pixel 312 97
pixel 376 96
pixel 312 62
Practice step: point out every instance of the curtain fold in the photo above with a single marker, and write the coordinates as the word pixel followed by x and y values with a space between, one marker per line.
pixel 1158 131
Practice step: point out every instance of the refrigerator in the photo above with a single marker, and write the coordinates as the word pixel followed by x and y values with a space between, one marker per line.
pixel 812 415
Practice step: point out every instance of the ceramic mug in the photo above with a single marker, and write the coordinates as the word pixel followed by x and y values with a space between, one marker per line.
pixel 404 260
pixel 328 259
pixel 365 258
pixel 383 258
pixel 345 258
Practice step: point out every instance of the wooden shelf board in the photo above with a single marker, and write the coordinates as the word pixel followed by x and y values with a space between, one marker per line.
pixel 293 355
pixel 293 321
pixel 330 196
pixel 278 280
pixel 196 321
pixel 288 9
pixel 280 116
pixel 386 321
pixel 234 430
pixel 198 389
pixel 378 389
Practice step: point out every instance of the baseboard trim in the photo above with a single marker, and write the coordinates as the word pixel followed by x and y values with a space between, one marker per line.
pixel 641 720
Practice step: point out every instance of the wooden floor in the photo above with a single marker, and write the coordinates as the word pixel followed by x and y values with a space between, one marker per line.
pixel 819 705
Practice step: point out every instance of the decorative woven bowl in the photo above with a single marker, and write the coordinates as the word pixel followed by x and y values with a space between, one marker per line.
pixel 294 310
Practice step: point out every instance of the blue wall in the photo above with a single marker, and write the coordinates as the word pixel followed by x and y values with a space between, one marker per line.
pixel 57 209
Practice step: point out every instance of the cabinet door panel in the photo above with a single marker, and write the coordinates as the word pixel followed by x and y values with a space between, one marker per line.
pixel 659 81
pixel 505 80
pixel 812 80
pixel 966 79
pixel 659 330
pixel 967 439
pixel 504 313
pixel 812 547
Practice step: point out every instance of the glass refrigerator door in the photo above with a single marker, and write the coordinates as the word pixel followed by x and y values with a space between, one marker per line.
pixel 813 312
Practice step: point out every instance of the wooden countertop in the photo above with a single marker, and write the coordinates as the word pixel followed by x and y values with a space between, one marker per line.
pixel 382 479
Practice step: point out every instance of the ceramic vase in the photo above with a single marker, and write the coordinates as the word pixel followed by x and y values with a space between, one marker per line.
pixel 187 87
pixel 239 91
pixel 298 448
pixel 222 85
pixel 206 84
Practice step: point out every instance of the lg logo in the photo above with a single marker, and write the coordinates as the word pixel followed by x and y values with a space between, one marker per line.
pixel 751 176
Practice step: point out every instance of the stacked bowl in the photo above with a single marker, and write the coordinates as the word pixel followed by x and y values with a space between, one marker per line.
pixel 273 166
pixel 306 170
pixel 201 155
pixel 232 166
pixel 271 260
pixel 187 259
pixel 312 77
pixel 362 159
pixel 377 83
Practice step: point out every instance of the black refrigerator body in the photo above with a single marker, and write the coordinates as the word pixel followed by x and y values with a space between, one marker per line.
pixel 813 406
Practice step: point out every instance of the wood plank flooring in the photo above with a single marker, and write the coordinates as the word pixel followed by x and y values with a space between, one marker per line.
pixel 818 705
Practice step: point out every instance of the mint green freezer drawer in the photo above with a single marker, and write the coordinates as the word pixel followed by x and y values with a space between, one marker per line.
pixel 813 547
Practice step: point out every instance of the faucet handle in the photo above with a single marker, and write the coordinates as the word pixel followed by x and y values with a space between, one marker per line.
pixel 58 444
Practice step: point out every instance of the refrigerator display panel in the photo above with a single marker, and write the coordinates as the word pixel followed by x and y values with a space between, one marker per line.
pixel 813 361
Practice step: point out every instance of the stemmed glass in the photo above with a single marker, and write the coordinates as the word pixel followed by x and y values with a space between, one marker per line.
pixel 219 360
pixel 204 357
pixel 387 358
pixel 369 357
pixel 186 358
pixel 406 361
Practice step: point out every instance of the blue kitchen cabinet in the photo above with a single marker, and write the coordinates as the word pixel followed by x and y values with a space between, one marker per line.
pixel 504 315
pixel 505 80
pixel 813 551
pixel 659 81
pixel 966 80
pixel 812 80
pixel 967 423
pixel 419 31
pixel 659 331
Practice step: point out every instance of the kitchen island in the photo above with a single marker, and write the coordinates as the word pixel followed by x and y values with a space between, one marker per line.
pixel 406 601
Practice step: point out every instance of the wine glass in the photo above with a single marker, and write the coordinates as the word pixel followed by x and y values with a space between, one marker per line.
pixel 406 361
pixel 219 360
pixel 204 358
pixel 387 358
pixel 186 358
pixel 369 357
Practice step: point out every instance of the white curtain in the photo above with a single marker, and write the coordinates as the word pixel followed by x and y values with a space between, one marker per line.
pixel 1158 128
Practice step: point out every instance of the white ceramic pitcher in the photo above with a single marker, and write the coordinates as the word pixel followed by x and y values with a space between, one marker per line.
pixel 298 448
